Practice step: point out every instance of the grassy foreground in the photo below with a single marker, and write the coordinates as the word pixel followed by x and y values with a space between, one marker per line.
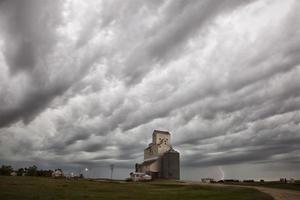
pixel 48 188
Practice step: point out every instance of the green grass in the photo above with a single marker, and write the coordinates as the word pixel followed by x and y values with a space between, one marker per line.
pixel 278 185
pixel 47 188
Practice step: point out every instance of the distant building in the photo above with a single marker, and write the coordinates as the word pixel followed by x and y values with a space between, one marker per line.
pixel 139 176
pixel 160 159
pixel 291 180
pixel 207 180
pixel 57 173
pixel 13 174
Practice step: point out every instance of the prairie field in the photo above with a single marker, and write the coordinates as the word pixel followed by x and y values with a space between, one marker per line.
pixel 48 188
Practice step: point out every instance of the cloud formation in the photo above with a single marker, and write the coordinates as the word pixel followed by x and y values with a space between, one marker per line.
pixel 86 82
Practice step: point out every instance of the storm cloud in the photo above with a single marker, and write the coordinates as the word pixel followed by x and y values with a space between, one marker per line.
pixel 84 83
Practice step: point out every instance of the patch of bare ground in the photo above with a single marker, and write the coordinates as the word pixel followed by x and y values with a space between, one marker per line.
pixel 277 194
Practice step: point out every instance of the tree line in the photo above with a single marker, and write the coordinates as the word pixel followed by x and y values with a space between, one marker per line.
pixel 7 170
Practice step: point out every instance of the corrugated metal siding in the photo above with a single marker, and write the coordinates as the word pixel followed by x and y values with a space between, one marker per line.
pixel 170 167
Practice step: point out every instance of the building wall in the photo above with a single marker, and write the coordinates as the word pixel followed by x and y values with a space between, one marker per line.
pixel 170 166
pixel 163 148
pixel 161 143
pixel 158 138
pixel 141 168
pixel 151 151
pixel 155 166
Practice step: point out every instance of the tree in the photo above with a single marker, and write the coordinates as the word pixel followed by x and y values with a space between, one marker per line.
pixel 46 173
pixel 5 170
pixel 20 172
pixel 32 171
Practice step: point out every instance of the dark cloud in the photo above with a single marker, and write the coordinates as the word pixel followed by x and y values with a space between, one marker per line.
pixel 31 35
pixel 30 31
pixel 83 84
pixel 183 20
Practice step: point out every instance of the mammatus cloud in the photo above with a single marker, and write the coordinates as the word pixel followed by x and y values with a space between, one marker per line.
pixel 86 82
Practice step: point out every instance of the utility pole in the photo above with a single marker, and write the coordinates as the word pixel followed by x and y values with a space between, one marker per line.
pixel 111 170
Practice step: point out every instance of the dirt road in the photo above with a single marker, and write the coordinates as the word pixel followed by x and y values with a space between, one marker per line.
pixel 280 194
pixel 277 194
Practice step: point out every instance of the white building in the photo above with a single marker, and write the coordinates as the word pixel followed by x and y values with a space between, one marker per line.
pixel 139 176
pixel 57 173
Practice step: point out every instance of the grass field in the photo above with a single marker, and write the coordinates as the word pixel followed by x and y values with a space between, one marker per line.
pixel 47 188
pixel 278 185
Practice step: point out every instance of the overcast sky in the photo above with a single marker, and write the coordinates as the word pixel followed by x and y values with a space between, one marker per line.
pixel 85 83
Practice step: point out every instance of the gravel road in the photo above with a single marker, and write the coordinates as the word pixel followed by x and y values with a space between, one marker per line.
pixel 277 194
pixel 280 194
